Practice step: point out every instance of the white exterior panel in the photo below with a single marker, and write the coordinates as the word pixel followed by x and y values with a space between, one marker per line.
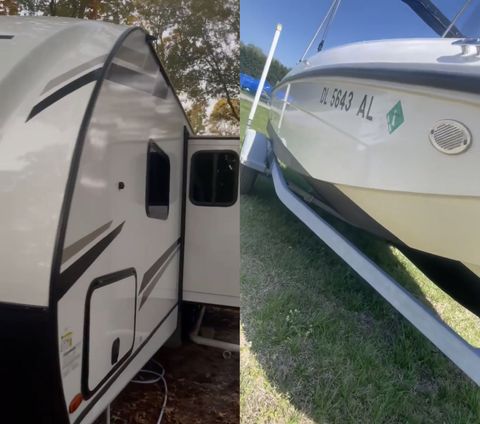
pixel 35 154
pixel 212 242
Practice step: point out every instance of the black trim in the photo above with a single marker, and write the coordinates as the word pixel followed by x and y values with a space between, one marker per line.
pixel 107 385
pixel 379 72
pixel 186 136
pixel 103 281
pixel 153 147
pixel 192 176
pixel 64 91
pixel 26 346
pixel 59 398
pixel 68 277
pixel 6 37
pixel 149 274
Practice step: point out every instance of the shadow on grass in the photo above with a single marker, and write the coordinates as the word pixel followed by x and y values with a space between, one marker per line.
pixel 326 339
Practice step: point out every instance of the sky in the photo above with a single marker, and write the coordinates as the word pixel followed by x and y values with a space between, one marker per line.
pixel 356 20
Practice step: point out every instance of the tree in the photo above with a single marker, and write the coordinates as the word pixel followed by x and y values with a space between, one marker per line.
pixel 201 49
pixel 252 61
pixel 116 11
pixel 8 7
pixel 222 120
pixel 197 115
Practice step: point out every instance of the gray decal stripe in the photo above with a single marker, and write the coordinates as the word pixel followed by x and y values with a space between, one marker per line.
pixel 68 277
pixel 73 72
pixel 75 247
pixel 6 37
pixel 156 266
pixel 133 79
pixel 154 282
pixel 133 56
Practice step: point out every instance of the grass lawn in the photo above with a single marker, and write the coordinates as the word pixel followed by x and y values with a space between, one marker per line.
pixel 319 345
pixel 260 120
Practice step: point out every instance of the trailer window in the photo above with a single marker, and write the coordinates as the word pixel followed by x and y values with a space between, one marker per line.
pixel 158 182
pixel 214 178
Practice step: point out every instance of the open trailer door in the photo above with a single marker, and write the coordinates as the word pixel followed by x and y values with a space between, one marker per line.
pixel 212 222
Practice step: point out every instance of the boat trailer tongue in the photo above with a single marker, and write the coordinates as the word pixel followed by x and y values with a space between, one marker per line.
pixel 257 154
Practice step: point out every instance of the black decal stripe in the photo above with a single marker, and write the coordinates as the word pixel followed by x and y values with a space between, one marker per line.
pixel 74 72
pixel 64 91
pixel 6 37
pixel 154 282
pixel 156 266
pixel 74 272
pixel 75 247
pixel 130 78
pixel 107 385
pixel 408 74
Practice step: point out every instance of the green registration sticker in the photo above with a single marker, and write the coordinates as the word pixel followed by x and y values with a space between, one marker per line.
pixel 395 117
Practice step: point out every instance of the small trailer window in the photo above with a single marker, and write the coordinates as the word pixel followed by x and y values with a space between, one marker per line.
pixel 158 182
pixel 214 178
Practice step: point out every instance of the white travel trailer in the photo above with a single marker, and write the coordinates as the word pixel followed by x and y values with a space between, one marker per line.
pixel 112 213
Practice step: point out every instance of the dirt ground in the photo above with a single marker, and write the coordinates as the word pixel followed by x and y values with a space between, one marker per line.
pixel 203 382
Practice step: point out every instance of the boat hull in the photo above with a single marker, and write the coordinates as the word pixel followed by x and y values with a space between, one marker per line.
pixel 363 143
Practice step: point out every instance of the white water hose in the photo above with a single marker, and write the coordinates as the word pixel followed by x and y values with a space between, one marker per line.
pixel 194 337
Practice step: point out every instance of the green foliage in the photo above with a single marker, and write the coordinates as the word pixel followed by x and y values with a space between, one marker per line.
pixel 201 50
pixel 197 116
pixel 252 60
pixel 222 118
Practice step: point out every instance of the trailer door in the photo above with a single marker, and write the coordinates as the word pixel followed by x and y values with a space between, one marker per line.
pixel 212 222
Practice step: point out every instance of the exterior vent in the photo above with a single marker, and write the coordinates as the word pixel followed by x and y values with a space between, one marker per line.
pixel 450 137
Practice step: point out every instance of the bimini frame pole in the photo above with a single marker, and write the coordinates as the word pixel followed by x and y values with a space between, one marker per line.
pixel 266 68
pixel 457 17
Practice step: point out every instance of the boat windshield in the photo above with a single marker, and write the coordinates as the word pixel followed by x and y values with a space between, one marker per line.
pixel 379 19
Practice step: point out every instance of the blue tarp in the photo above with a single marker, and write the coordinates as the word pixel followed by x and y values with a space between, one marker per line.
pixel 249 83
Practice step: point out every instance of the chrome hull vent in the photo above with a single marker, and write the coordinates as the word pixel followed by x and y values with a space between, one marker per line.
pixel 450 137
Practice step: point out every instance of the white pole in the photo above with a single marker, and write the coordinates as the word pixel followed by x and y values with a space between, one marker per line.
pixel 264 75
pixel 457 16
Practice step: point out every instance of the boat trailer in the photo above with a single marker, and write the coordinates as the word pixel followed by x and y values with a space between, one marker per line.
pixel 257 154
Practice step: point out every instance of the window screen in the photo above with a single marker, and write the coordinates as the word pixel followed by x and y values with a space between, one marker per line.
pixel 214 178
pixel 158 182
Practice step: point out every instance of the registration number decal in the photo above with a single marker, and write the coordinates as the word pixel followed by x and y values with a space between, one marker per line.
pixel 340 99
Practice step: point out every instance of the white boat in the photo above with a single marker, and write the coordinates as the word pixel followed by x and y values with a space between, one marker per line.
pixel 388 135
pixel 112 214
